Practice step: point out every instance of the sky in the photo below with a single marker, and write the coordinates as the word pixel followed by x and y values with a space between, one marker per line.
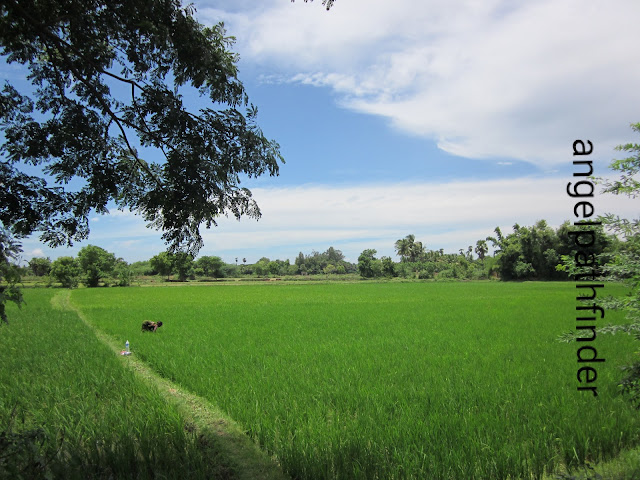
pixel 433 118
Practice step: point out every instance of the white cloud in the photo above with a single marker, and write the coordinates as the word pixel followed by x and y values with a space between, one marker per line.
pixel 449 216
pixel 36 252
pixel 483 79
pixel 351 218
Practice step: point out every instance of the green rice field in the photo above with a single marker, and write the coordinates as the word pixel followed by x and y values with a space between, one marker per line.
pixel 69 410
pixel 386 380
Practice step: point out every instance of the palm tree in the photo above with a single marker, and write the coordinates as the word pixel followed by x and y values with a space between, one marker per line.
pixel 417 251
pixel 404 247
pixel 481 249
pixel 497 241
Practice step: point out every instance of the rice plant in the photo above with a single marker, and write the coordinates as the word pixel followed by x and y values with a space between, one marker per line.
pixel 413 380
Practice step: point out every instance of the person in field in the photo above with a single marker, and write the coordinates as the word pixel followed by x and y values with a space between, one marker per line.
pixel 149 326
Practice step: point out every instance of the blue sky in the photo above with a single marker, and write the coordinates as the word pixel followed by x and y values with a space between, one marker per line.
pixel 440 119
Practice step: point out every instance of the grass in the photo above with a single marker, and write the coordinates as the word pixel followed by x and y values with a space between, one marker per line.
pixel 395 380
pixel 70 409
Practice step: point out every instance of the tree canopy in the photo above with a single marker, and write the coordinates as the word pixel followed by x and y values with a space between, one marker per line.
pixel 103 76
pixel 103 119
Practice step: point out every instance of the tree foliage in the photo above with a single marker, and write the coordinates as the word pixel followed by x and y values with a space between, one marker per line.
pixel 40 266
pixel 9 273
pixel 76 52
pixel 66 271
pixel 105 75
pixel 96 264
pixel 211 266
pixel 183 265
pixel 316 263
pixel 535 252
pixel 162 264
pixel 624 265
pixel 409 250
pixel 368 265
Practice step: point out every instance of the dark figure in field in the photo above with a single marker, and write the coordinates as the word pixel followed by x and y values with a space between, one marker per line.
pixel 149 326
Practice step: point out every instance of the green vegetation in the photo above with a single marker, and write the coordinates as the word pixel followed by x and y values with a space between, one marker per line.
pixel 528 253
pixel 624 266
pixel 394 380
pixel 69 409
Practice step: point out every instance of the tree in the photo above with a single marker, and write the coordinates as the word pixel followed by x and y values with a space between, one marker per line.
pixel 66 271
pixel 334 256
pixel 497 241
pixel 481 249
pixel 409 250
pixel 103 74
pixel 40 266
pixel 182 265
pixel 211 266
pixel 387 267
pixel 162 264
pixel 330 269
pixel 261 267
pixel 96 263
pixel 404 246
pixel 368 265
pixel 9 273
pixel 123 273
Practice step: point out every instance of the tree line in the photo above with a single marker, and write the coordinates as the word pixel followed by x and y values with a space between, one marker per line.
pixel 537 252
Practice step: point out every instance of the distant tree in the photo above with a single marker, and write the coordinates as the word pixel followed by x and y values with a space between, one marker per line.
pixel 481 249
pixel 66 271
pixel 183 265
pixel 211 266
pixel 162 264
pixel 229 270
pixel 273 267
pixel 123 273
pixel 330 269
pixel 334 256
pixel 497 241
pixel 96 263
pixel 388 267
pixel 261 267
pixel 368 265
pixel 404 247
pixel 142 268
pixel 40 266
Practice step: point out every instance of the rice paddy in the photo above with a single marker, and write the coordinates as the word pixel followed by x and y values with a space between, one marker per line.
pixel 386 380
pixel 68 408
